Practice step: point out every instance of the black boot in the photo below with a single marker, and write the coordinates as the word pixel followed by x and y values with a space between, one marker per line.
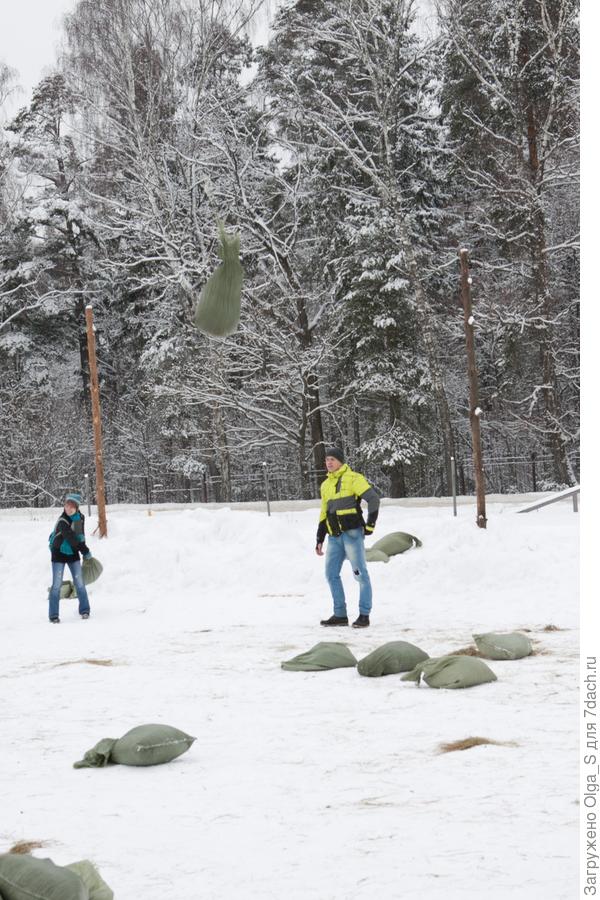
pixel 361 622
pixel 335 620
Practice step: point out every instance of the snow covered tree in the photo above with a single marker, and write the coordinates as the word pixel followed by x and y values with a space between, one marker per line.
pixel 355 96
pixel 510 102
pixel 44 282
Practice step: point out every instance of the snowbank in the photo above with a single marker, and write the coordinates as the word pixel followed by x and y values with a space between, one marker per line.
pixel 300 785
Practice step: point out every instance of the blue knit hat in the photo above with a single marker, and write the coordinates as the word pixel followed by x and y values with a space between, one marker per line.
pixel 73 497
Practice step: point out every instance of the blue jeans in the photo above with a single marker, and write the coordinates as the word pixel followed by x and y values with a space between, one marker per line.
pixel 77 575
pixel 349 545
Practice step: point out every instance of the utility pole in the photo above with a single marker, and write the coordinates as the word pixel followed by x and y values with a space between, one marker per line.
pixel 474 408
pixel 95 392
pixel 266 477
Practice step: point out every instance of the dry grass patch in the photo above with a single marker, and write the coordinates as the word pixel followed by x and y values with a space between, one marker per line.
pixel 465 651
pixel 27 846
pixel 89 662
pixel 545 628
pixel 469 742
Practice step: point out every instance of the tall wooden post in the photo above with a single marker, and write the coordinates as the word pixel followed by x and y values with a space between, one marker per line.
pixel 474 409
pixel 95 392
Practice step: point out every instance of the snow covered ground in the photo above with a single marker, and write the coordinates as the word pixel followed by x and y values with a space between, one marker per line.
pixel 326 786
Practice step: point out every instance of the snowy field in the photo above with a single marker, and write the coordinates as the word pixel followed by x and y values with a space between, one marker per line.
pixel 303 786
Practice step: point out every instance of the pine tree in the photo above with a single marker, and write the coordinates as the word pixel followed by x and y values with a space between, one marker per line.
pixel 510 102
pixel 355 98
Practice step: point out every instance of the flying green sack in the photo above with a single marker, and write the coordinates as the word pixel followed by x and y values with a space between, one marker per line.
pixel 91 569
pixel 218 309
pixel 391 658
pixel 503 646
pixel 323 656
pixel 451 672
pixel 144 745
pixel 391 545
pixel 23 877
pixel 89 874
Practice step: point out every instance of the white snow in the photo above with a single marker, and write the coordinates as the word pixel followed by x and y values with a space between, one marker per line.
pixel 478 411
pixel 471 320
pixel 300 785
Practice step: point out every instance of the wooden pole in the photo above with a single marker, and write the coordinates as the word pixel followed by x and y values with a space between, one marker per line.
pixel 453 478
pixel 95 392
pixel 266 476
pixel 474 409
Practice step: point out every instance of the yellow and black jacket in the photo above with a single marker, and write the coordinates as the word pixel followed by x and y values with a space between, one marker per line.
pixel 341 495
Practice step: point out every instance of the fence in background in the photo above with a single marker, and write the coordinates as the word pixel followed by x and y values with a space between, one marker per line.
pixel 505 475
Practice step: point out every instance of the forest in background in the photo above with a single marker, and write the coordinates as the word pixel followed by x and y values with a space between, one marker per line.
pixel 355 155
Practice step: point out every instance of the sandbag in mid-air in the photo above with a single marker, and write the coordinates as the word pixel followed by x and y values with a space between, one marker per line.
pixel 218 309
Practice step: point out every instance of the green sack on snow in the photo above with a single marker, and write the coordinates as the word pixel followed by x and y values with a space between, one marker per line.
pixel 23 877
pixel 91 569
pixel 89 874
pixel 373 555
pixel 218 309
pixel 151 745
pixel 452 672
pixel 98 756
pixel 144 745
pixel 503 646
pixel 391 658
pixel 67 590
pixel 323 656
pixel 391 545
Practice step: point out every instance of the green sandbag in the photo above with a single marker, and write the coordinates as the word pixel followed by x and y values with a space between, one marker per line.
pixel 23 877
pixel 452 672
pixel 89 874
pixel 144 745
pixel 151 745
pixel 218 309
pixel 503 646
pixel 391 658
pixel 91 569
pixel 67 590
pixel 323 656
pixel 392 544
pixel 373 555
pixel 98 756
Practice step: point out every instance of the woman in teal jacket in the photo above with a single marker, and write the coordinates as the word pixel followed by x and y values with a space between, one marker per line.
pixel 67 541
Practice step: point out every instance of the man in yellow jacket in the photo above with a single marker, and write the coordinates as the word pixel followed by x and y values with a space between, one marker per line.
pixel 342 519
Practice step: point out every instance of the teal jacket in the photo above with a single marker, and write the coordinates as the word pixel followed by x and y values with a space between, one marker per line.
pixel 67 540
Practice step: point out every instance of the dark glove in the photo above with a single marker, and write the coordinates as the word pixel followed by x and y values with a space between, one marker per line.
pixel 369 529
pixel 87 555
pixel 321 532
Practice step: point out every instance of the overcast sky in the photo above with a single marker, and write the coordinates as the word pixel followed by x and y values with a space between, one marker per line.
pixel 29 35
